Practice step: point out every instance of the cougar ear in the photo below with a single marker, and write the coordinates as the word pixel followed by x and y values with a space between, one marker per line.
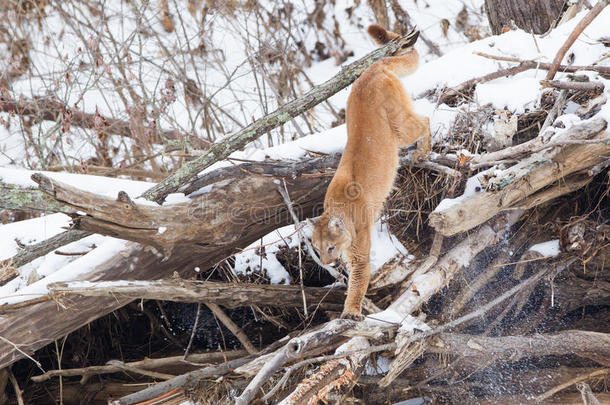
pixel 380 34
pixel 336 225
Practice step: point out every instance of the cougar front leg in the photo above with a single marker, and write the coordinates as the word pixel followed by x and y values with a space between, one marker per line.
pixel 424 143
pixel 359 277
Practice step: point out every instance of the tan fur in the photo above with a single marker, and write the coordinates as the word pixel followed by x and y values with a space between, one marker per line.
pixel 380 119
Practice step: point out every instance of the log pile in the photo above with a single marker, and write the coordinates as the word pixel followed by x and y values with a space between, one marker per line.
pixel 483 314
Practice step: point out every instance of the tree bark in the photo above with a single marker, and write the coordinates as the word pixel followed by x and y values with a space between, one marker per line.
pixel 535 16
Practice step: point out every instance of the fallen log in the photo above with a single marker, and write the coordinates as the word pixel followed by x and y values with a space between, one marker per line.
pixel 590 345
pixel 229 295
pixel 232 210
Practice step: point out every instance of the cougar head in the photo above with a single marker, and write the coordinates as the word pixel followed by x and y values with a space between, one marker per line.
pixel 330 238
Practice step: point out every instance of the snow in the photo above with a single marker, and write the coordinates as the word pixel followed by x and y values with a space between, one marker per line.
pixel 384 246
pixel 107 248
pixel 106 186
pixel 473 186
pixel 260 255
pixel 30 231
pixel 547 249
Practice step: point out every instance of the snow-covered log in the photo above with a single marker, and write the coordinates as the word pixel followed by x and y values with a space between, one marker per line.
pixel 574 150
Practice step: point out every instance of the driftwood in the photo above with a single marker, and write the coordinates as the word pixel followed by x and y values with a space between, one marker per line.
pixel 14 197
pixel 295 348
pixel 227 213
pixel 229 295
pixel 228 227
pixel 512 186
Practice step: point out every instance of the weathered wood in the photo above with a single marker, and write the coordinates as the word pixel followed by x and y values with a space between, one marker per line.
pixel 295 348
pixel 231 210
pixel 511 186
pixel 595 87
pixel 33 327
pixel 229 295
pixel 535 16
pixel 333 376
pixel 146 364
pixel 422 287
pixel 590 345
pixel 180 381
pixel 221 150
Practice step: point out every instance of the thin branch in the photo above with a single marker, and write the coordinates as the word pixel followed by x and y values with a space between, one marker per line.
pixel 36 250
pixel 582 24
pixel 551 392
pixel 146 364
pixel 236 330
pixel 595 87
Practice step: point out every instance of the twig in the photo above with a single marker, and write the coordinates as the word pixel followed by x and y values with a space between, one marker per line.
pixel 310 250
pixel 23 353
pixel 136 370
pixel 18 392
pixel 34 251
pixel 193 332
pixel 582 24
pixel 554 111
pixel 180 381
pixel 146 364
pixel 236 330
pixel 553 391
pixel 534 64
pixel 596 87
pixel 263 125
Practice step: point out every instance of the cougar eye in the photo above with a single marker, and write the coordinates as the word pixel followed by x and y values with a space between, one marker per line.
pixel 331 249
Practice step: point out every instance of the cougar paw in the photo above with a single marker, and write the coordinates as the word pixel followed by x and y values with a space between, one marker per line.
pixel 419 157
pixel 353 316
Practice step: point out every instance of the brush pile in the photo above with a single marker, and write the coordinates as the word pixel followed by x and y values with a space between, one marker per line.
pixel 491 261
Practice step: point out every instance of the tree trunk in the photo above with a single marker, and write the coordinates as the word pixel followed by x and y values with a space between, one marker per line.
pixel 536 16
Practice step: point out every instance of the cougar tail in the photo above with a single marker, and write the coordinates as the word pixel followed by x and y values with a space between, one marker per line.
pixel 383 36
